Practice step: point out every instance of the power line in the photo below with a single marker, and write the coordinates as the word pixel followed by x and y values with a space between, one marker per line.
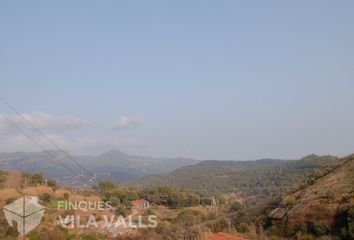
pixel 40 146
pixel 47 138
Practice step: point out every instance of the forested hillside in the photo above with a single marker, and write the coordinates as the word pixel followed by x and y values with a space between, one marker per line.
pixel 268 177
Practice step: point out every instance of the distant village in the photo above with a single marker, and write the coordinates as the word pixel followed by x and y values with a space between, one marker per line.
pixel 81 180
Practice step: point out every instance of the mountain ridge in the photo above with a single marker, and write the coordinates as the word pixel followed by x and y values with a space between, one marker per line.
pixel 231 176
pixel 113 164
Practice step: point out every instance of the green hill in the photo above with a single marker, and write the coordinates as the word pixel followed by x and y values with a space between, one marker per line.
pixel 268 177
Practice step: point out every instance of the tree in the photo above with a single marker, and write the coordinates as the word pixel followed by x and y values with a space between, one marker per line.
pixel 52 183
pixel 170 196
pixel 107 186
pixel 36 179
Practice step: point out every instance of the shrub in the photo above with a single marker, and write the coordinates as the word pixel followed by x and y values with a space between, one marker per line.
pixel 107 186
pixel 66 196
pixel 46 197
pixel 121 210
pixel 319 229
pixel 289 201
pixel 234 207
pixel 88 237
pixel 34 236
pixel 189 216
pixel 36 179
pixel 10 200
pixel 242 228
pixel 52 183
pixel 114 201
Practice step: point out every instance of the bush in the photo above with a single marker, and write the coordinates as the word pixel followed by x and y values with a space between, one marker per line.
pixel 46 197
pixel 107 186
pixel 242 228
pixel 36 179
pixel 234 207
pixel 34 236
pixel 121 210
pixel 66 196
pixel 10 200
pixel 114 201
pixel 52 184
pixel 88 237
pixel 319 229
pixel 189 216
pixel 289 201
pixel 170 196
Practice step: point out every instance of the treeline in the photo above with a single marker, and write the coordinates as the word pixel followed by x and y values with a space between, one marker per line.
pixel 29 179
pixel 172 197
pixel 36 179
pixel 121 197
pixel 266 177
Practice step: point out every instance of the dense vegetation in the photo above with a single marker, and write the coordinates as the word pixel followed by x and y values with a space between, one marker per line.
pixel 159 195
pixel 171 197
pixel 267 177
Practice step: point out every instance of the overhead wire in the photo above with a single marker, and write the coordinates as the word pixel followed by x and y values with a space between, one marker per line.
pixel 75 174
pixel 47 138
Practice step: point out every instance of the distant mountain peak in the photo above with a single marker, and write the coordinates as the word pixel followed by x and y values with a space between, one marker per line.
pixel 113 152
pixel 119 165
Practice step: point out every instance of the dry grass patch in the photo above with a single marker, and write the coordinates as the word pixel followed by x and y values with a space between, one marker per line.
pixel 38 191
pixel 8 193
pixel 61 192
pixel 93 198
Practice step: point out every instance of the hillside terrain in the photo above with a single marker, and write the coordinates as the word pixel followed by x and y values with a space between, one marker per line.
pixel 113 165
pixel 322 204
pixel 319 205
pixel 180 214
pixel 267 177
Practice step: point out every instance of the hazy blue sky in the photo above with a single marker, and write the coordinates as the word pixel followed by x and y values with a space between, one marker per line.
pixel 203 79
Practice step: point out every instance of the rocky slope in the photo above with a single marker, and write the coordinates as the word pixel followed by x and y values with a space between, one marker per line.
pixel 323 205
